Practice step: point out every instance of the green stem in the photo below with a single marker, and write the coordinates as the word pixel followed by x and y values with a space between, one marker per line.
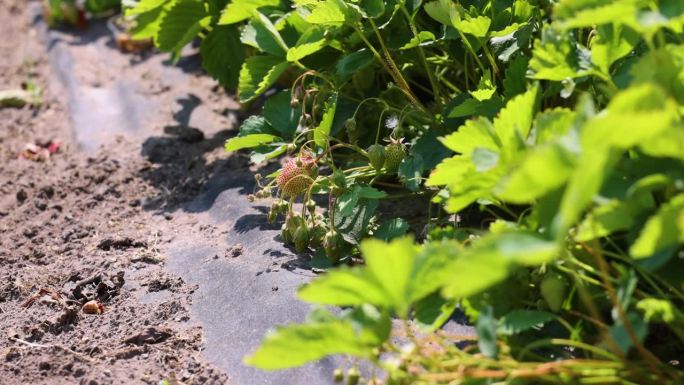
pixel 394 70
pixel 491 59
pixel 472 51
pixel 421 55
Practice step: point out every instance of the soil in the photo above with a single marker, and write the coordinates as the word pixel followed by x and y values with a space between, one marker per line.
pixel 87 226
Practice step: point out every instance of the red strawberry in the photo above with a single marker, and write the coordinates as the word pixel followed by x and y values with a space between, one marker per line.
pixel 296 175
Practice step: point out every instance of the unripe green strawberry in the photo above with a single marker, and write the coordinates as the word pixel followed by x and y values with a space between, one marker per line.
pixel 353 376
pixel 376 156
pixel 311 206
pixel 395 152
pixel 296 175
pixel 352 130
pixel 282 206
pixel 338 375
pixel 317 236
pixel 553 289
pixel 301 238
pixel 273 213
pixel 332 244
pixel 292 223
pixel 339 179
pixel 285 234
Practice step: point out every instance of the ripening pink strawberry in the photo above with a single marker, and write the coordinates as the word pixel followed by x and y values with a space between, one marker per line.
pixel 296 175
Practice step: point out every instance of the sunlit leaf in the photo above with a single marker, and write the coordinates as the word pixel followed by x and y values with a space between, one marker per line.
pixel 297 344
pixel 521 320
pixel 543 170
pixel 240 10
pixel 663 230
pixel 322 132
pixel 258 73
pixel 241 142
pixel 260 33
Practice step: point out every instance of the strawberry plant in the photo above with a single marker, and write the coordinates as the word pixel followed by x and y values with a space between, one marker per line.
pixel 547 137
pixel 73 12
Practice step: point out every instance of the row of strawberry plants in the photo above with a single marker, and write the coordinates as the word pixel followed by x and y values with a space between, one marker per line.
pixel 561 121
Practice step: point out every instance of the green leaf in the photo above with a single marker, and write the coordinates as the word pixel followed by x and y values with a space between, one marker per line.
pixel 147 24
pixel 521 320
pixel 475 133
pixel 508 43
pixel 269 152
pixel 553 124
pixel 411 172
pixel 668 144
pixel 351 63
pixel 619 333
pixel 391 229
pixel 484 159
pixel 612 42
pixel 180 24
pixel 486 333
pixel 662 231
pixel 604 220
pixel 542 170
pixel 346 203
pixel 391 266
pixel 515 81
pixel 473 274
pixel 373 8
pixel 295 345
pixel 327 12
pixel 433 311
pixel 432 268
pixel 280 115
pixel 632 117
pixel 345 286
pixel 260 33
pixel 240 10
pixel 322 132
pixel 249 141
pixel 368 192
pixel 488 261
pixel 485 88
pixel 382 282
pixel 258 74
pixel 586 181
pixel 664 67
pixel 657 310
pixel 557 57
pixel 423 38
pixel 223 55
pixel 311 41
pixel 471 106
pixel 355 226
pixel 256 124
pixel 587 13
pixel 442 11
pixel 429 148
pixel 476 26
pixel 515 121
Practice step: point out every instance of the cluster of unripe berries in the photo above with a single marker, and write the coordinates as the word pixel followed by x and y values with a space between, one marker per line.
pixel 298 232
pixel 380 156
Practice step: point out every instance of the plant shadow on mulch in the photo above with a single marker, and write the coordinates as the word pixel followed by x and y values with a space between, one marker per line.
pixel 179 169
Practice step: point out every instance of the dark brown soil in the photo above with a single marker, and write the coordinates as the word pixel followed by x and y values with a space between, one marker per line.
pixel 80 227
